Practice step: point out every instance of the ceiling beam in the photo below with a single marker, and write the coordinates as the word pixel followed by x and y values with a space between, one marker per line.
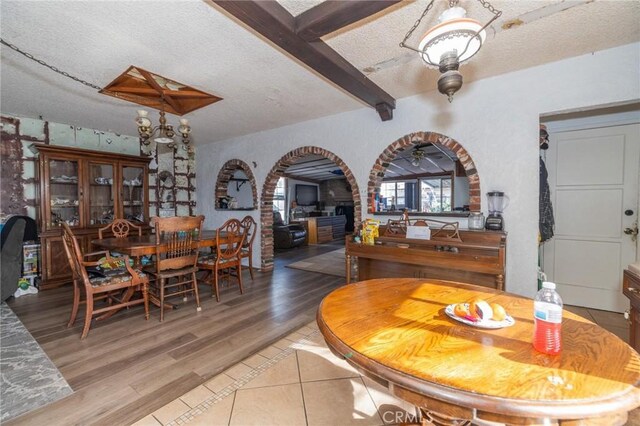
pixel 332 15
pixel 301 178
pixel 275 23
pixel 415 176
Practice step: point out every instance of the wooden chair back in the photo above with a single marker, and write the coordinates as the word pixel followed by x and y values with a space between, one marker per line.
pixel 120 228
pixel 229 240
pixel 176 241
pixel 250 226
pixel 74 255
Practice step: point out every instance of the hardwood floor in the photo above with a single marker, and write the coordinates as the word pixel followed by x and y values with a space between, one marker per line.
pixel 128 367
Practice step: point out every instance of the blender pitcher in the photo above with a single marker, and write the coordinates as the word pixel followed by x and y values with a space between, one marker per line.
pixel 498 201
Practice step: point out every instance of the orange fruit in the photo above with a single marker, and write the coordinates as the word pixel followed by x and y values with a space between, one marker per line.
pixel 460 310
pixel 499 313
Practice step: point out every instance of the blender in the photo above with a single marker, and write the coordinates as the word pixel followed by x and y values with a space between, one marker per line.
pixel 497 203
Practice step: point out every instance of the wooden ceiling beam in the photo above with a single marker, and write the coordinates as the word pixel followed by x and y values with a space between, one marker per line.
pixel 301 178
pixel 332 15
pixel 275 23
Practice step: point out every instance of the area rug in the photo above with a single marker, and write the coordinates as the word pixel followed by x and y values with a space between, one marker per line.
pixel 331 263
pixel 29 378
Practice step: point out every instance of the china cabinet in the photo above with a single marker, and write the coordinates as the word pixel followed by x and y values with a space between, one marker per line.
pixel 85 189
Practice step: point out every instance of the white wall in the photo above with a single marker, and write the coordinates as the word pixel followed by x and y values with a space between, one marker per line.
pixel 244 196
pixel 495 119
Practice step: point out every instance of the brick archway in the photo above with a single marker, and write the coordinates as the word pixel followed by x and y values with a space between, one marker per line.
pixel 381 164
pixel 226 173
pixel 266 199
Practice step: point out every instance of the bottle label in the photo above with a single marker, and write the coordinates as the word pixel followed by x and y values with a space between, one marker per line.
pixel 548 312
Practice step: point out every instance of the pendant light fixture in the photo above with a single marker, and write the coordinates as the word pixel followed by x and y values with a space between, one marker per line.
pixel 454 40
pixel 417 155
pixel 163 133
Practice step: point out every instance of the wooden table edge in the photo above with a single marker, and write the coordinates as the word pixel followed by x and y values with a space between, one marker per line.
pixel 565 410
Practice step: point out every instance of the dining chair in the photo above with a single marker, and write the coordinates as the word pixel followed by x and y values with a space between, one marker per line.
pixel 120 228
pixel 176 253
pixel 250 227
pixel 110 279
pixel 229 240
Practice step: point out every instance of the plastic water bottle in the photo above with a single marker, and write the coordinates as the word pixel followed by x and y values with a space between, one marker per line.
pixel 547 314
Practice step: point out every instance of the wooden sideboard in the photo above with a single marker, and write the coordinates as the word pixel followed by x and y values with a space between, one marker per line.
pixel 87 190
pixel 323 229
pixel 479 259
pixel 631 289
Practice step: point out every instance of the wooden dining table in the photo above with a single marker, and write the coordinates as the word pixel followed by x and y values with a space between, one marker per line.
pixel 396 332
pixel 145 245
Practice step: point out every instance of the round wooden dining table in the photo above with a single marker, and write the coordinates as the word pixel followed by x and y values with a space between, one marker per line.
pixel 396 332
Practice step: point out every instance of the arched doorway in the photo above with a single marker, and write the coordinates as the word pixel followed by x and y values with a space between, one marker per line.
pixel 226 174
pixel 413 139
pixel 268 190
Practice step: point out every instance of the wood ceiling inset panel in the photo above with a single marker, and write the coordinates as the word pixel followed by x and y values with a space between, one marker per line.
pixel 155 91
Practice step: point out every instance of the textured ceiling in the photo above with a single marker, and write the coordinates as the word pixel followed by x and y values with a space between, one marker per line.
pixel 193 42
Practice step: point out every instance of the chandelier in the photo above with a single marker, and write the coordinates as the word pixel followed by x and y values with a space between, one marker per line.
pixel 163 133
pixel 454 40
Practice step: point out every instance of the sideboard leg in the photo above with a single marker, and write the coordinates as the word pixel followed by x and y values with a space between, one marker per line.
pixel 500 282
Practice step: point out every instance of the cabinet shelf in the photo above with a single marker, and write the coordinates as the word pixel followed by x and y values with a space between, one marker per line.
pixel 53 182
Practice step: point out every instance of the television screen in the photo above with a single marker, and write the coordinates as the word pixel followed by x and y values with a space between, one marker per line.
pixel 306 195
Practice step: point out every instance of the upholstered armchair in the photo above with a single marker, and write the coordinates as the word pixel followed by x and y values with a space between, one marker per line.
pixel 287 236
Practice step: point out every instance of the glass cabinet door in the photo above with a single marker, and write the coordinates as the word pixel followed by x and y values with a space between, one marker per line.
pixel 133 194
pixel 64 193
pixel 101 203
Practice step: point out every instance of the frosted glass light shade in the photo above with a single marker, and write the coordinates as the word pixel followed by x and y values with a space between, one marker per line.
pixel 451 34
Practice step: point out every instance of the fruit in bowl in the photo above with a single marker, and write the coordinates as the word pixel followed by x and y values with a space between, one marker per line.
pixel 479 310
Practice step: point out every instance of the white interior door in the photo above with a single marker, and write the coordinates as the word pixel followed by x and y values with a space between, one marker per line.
pixel 593 176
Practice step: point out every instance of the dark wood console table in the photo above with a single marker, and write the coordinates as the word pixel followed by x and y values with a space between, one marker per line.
pixel 479 259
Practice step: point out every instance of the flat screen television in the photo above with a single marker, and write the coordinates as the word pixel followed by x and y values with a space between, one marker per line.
pixel 306 195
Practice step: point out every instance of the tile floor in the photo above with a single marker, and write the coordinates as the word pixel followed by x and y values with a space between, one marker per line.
pixel 298 381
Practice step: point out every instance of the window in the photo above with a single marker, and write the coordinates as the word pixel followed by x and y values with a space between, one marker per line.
pixel 393 195
pixel 280 198
pixel 435 194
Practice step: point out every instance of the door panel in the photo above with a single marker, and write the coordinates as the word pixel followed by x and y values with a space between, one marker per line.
pixel 593 176
pixel 580 212
pixel 599 263
pixel 594 161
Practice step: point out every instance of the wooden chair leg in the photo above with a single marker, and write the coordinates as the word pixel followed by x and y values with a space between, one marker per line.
pixel 195 290
pixel 183 287
pixel 87 316
pixel 251 265
pixel 76 303
pixel 161 280
pixel 239 276
pixel 215 285
pixel 145 297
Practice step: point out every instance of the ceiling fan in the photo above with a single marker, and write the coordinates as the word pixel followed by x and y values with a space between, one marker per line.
pixel 418 154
